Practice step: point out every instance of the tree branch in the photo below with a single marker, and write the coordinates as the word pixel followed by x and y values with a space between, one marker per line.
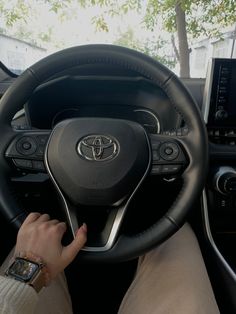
pixel 174 46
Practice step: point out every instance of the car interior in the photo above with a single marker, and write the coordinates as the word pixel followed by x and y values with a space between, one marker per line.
pixel 108 136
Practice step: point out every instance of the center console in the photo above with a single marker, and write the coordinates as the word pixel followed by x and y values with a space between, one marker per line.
pixel 219 197
pixel 220 101
pixel 219 109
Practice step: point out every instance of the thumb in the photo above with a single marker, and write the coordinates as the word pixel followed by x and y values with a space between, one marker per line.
pixel 70 251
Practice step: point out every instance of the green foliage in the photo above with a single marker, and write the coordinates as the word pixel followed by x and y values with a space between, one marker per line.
pixel 11 14
pixel 46 37
pixel 154 48
pixel 57 5
pixel 2 30
pixel 100 23
pixel 203 17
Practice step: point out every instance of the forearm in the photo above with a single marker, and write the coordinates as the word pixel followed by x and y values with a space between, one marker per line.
pixel 16 297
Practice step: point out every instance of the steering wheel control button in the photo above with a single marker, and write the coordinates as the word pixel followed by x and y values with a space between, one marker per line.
pixel 23 163
pixel 156 169
pixel 155 151
pixel 165 169
pixel 169 151
pixel 185 130
pixel 42 139
pixel 155 155
pixel 38 165
pixel 40 151
pixel 26 145
pixel 98 147
pixel 170 169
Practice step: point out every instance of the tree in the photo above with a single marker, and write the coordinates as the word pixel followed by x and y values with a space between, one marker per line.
pixel 10 14
pixel 153 48
pixel 14 12
pixel 190 19
pixel 184 19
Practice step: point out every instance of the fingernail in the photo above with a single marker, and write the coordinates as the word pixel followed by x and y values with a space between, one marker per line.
pixel 82 228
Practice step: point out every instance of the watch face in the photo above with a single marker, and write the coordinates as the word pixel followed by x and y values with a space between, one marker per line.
pixel 23 269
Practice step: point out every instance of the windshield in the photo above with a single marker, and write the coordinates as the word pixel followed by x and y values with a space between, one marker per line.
pixel 182 34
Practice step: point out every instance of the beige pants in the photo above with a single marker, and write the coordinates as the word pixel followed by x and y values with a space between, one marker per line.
pixel 171 279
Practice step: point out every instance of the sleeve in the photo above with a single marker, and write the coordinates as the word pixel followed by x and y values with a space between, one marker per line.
pixel 16 297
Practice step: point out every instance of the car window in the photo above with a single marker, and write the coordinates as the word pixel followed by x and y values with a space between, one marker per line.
pixel 183 35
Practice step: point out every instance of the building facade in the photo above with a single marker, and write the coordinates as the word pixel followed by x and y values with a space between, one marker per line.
pixel 204 50
pixel 17 54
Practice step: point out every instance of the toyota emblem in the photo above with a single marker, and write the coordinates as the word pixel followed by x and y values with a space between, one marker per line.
pixel 98 147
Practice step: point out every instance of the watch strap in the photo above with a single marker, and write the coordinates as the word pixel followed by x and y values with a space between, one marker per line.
pixel 38 282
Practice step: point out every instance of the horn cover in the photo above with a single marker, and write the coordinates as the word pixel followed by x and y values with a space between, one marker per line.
pixel 97 161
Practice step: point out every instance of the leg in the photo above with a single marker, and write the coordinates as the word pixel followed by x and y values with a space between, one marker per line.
pixel 52 299
pixel 171 279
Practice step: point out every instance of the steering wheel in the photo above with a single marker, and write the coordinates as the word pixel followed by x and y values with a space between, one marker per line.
pixel 103 161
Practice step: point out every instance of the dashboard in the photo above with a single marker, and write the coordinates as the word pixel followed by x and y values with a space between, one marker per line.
pixel 132 98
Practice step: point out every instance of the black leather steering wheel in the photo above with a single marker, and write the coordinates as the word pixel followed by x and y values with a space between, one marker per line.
pixel 96 161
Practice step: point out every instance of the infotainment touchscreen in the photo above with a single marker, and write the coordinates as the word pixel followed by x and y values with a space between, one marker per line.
pixel 221 91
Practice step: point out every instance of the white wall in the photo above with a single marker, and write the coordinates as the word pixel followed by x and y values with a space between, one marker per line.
pixel 17 55
pixel 206 49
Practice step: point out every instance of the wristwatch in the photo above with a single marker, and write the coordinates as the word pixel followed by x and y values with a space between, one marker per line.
pixel 27 271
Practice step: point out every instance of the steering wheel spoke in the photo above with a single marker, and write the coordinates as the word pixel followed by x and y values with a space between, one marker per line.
pixel 26 150
pixel 103 224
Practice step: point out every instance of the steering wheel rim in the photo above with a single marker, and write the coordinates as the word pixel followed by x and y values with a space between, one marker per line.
pixel 194 141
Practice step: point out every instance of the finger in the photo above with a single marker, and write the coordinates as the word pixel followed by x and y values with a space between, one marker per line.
pixel 53 222
pixel 31 218
pixel 61 227
pixel 43 218
pixel 69 252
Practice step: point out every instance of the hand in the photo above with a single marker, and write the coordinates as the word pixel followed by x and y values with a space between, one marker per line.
pixel 42 237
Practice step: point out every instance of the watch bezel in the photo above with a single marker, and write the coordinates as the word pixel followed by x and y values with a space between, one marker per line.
pixel 23 269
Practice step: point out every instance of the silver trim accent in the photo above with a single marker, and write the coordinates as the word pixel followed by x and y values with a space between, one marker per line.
pixel 114 230
pixel 207 91
pixel 72 219
pixel 207 228
pixel 154 116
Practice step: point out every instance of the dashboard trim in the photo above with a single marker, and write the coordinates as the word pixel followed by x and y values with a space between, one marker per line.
pixel 207 228
pixel 153 115
pixel 207 91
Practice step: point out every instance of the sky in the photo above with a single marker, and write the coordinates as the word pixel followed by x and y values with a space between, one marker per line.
pixel 78 29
